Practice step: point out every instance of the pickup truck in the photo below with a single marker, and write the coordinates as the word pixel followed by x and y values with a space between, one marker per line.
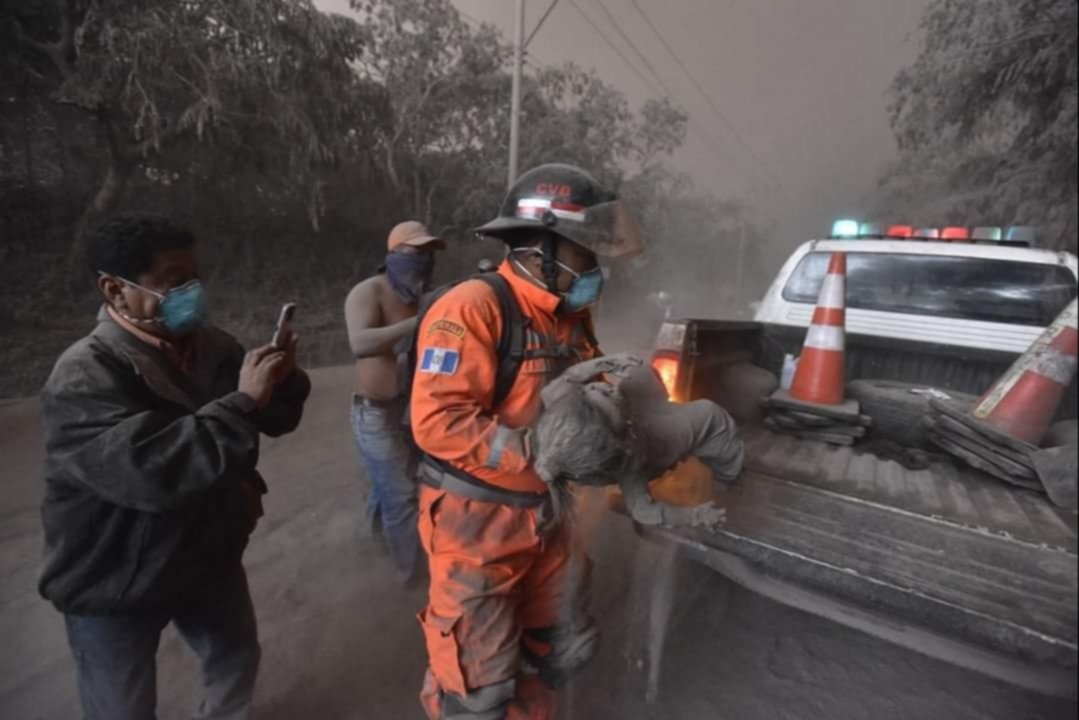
pixel 943 559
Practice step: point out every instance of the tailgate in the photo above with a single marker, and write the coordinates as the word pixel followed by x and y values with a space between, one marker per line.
pixel 954 553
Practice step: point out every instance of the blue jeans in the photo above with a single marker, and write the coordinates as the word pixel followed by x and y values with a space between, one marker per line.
pixel 116 655
pixel 391 459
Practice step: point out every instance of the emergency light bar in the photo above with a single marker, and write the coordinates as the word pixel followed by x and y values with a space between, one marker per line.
pixel 871 230
pixel 1017 235
pixel 955 234
pixel 845 229
pixel 1022 235
pixel 987 234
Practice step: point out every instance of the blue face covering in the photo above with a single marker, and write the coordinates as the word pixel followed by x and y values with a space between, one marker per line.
pixel 410 275
pixel 181 311
pixel 585 291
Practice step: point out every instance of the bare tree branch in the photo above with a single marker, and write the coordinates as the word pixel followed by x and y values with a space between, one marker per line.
pixel 63 54
pixel 140 150
pixel 50 50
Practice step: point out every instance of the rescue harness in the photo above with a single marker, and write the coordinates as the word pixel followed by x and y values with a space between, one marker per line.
pixel 513 352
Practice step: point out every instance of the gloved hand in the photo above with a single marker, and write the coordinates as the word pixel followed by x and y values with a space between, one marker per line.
pixel 709 516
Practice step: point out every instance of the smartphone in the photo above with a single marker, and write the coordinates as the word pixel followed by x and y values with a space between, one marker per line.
pixel 284 324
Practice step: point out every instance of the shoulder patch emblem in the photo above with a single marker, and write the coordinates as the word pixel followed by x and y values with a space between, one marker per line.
pixel 440 361
pixel 448 328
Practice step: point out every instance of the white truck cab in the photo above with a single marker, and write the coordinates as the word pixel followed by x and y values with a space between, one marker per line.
pixel 987 296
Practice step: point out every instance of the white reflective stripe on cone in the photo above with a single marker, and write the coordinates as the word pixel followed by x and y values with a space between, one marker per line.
pixel 1055 365
pixel 826 337
pixel 1041 359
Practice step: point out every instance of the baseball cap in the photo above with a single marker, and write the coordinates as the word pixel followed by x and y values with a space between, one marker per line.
pixel 413 234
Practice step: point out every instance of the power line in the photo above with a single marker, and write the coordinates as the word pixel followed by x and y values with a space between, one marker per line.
pixel 554 4
pixel 708 98
pixel 650 84
pixel 666 93
pixel 632 46
pixel 469 18
pixel 602 36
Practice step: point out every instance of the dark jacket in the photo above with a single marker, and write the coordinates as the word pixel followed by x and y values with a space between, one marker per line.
pixel 151 487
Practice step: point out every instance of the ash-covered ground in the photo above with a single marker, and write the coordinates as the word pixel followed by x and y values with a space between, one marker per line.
pixel 341 643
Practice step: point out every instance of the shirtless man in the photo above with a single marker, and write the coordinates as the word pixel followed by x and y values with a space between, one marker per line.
pixel 379 312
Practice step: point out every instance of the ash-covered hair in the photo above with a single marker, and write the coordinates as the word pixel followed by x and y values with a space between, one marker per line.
pixel 579 442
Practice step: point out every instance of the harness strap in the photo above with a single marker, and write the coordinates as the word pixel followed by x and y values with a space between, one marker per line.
pixel 440 476
pixel 511 345
pixel 556 352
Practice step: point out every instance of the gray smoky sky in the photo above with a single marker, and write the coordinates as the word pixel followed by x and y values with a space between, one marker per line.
pixel 802 83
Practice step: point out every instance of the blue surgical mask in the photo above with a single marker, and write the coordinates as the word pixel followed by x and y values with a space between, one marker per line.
pixel 585 290
pixel 180 311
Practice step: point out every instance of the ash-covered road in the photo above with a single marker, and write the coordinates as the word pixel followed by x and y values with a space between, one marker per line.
pixel 340 641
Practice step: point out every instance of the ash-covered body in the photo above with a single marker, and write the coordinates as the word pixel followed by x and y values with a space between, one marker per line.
pixel 598 433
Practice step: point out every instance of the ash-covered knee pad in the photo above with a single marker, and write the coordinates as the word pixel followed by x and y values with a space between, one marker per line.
pixel 488 703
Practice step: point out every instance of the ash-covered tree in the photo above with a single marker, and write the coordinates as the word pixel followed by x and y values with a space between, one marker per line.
pixel 446 145
pixel 446 83
pixel 266 83
pixel 571 115
pixel 986 119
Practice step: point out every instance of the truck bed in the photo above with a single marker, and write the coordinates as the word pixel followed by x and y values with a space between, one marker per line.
pixel 945 561
pixel 946 550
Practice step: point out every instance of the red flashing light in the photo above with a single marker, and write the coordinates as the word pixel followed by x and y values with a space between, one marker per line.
pixel 901 232
pixel 666 366
pixel 955 234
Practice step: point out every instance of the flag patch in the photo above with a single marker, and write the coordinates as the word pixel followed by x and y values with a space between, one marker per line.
pixel 440 361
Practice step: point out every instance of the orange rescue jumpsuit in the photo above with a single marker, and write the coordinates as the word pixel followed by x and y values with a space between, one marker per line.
pixel 502 586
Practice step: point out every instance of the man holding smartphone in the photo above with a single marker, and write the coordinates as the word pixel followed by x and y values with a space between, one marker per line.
pixel 379 313
pixel 152 427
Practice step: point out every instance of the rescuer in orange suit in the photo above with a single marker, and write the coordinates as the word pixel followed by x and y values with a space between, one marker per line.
pixel 506 617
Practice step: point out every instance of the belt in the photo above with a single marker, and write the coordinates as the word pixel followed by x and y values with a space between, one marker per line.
pixel 441 477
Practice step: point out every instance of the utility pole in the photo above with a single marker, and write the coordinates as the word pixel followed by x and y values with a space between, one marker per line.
pixel 515 112
pixel 739 280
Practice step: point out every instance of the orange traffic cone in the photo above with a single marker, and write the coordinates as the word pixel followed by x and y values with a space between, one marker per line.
pixel 1024 402
pixel 821 375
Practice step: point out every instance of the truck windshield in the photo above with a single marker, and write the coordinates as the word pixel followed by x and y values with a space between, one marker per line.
pixel 959 287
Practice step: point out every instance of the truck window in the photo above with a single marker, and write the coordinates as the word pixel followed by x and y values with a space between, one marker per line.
pixel 959 287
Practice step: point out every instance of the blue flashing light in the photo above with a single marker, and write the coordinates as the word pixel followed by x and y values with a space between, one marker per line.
pixel 871 230
pixel 846 229
pixel 1022 235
